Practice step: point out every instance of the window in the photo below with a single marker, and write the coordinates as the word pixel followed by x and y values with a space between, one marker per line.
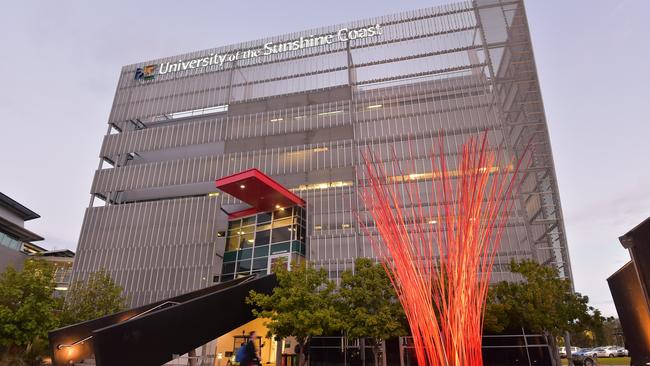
pixel 10 242
pixel 232 243
pixel 246 241
pixel 262 237
pixel 251 240
pixel 245 253
pixel 283 222
pixel 260 263
pixel 244 266
pixel 248 221
pixel 228 267
pixel 261 251
pixel 263 218
pixel 281 234
pixel 285 212
pixel 192 113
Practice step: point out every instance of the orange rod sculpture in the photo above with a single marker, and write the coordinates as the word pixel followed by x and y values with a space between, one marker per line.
pixel 440 258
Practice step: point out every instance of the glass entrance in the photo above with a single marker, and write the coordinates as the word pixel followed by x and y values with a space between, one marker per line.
pixel 253 241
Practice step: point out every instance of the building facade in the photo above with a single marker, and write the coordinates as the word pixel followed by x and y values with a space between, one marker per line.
pixel 16 241
pixel 303 108
pixel 16 244
pixel 62 261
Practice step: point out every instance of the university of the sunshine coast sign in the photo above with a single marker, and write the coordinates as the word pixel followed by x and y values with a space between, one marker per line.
pixel 219 60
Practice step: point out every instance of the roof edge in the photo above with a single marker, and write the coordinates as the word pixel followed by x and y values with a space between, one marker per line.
pixel 15 206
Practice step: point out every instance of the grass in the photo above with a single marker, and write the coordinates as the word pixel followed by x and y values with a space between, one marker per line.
pixel 623 361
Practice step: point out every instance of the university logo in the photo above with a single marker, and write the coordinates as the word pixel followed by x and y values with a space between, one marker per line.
pixel 145 73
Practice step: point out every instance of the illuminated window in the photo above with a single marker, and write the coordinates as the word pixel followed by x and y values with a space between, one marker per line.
pixel 251 240
pixel 307 151
pixel 327 185
pixel 192 113
pixel 329 113
pixel 437 175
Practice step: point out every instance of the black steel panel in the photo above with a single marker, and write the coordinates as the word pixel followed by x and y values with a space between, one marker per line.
pixel 153 339
pixel 74 333
pixel 632 311
pixel 637 241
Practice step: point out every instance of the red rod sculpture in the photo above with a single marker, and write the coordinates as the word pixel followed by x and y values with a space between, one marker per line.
pixel 440 257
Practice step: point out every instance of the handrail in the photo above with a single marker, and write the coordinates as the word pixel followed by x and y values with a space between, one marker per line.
pixel 153 308
pixel 61 346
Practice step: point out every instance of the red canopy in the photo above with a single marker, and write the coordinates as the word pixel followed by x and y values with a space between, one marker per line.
pixel 258 190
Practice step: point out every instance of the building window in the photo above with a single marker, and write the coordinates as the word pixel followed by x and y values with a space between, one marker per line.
pixel 10 242
pixel 192 113
pixel 251 240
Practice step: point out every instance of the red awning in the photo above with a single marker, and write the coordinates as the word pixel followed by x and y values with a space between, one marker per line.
pixel 258 190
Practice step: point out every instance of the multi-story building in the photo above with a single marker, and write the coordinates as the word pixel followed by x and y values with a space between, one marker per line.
pixel 16 241
pixel 16 244
pixel 302 108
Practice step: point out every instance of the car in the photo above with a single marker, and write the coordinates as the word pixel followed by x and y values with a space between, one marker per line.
pixel 604 352
pixel 621 352
pixel 563 353
pixel 584 357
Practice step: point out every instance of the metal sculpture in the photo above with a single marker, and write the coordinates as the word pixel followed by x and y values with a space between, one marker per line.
pixel 440 258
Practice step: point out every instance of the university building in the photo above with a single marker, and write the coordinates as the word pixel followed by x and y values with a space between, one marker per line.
pixel 216 163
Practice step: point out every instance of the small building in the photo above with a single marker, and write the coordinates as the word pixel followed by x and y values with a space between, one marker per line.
pixel 62 260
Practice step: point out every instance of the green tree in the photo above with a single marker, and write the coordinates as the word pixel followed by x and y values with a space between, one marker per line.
pixel 368 305
pixel 96 297
pixel 612 332
pixel 302 305
pixel 27 307
pixel 542 303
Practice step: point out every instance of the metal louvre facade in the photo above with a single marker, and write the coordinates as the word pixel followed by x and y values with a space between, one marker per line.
pixel 305 117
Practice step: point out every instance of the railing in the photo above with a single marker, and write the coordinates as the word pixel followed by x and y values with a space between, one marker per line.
pixel 81 341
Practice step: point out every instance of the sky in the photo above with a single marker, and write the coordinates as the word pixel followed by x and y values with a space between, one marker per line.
pixel 60 62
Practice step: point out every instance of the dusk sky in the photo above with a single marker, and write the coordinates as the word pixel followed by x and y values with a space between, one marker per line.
pixel 61 61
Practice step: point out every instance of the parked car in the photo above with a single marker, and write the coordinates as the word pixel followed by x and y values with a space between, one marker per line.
pixel 621 352
pixel 563 352
pixel 604 352
pixel 584 357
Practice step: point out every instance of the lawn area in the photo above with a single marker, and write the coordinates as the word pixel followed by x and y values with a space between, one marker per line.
pixel 625 361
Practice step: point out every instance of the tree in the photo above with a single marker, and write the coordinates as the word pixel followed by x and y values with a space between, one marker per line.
pixel 613 332
pixel 96 297
pixel 27 306
pixel 302 305
pixel 542 303
pixel 368 305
